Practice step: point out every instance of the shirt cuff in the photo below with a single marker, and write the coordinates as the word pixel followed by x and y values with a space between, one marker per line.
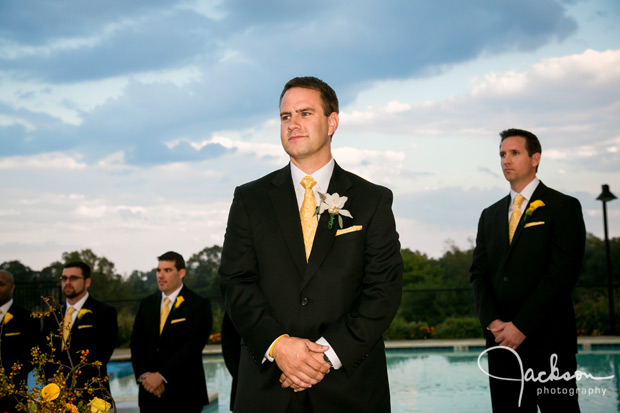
pixel 267 355
pixel 330 353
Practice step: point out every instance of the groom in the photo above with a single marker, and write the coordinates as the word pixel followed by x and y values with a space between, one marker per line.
pixel 311 295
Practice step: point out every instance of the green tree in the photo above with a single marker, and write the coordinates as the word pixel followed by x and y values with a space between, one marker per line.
pixel 202 277
pixel 21 273
pixel 202 272
pixel 106 284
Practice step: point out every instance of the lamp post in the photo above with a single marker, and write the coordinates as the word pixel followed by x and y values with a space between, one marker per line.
pixel 605 197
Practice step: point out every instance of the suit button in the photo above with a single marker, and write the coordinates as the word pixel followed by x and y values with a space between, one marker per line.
pixel 304 301
pixel 505 278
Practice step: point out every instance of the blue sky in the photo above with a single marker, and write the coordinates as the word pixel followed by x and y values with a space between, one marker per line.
pixel 126 126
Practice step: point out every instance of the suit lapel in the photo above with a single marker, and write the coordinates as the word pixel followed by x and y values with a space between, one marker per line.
pixel 154 312
pixel 173 311
pixel 74 326
pixel 539 193
pixel 502 224
pixel 284 203
pixel 324 237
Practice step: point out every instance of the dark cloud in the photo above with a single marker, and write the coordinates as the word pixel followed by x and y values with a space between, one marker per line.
pixel 245 57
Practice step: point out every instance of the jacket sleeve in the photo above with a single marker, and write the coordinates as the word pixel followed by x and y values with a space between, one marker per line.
pixel 238 274
pixel 480 279
pixel 108 334
pixel 139 339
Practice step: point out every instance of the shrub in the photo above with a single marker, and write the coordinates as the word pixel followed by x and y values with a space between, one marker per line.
pixel 400 329
pixel 465 327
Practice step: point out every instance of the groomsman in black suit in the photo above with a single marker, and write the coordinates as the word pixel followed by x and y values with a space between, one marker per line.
pixel 87 324
pixel 169 333
pixel 527 258
pixel 19 332
pixel 311 290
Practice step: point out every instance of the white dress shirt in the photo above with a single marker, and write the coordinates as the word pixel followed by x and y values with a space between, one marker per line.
pixel 322 178
pixel 78 306
pixel 526 193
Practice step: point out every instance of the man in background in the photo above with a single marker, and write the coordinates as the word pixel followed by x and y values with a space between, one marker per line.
pixel 527 258
pixel 170 331
pixel 19 334
pixel 87 325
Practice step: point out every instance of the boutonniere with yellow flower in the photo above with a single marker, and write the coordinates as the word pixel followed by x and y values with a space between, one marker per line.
pixel 333 204
pixel 534 205
pixel 7 317
pixel 179 301
pixel 83 312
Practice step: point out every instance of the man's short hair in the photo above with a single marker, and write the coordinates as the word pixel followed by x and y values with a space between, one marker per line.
pixel 81 265
pixel 179 262
pixel 532 144
pixel 328 96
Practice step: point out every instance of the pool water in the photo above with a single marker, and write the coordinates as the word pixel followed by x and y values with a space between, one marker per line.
pixel 429 380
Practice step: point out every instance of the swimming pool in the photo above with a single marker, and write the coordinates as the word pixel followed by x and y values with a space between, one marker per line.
pixel 429 380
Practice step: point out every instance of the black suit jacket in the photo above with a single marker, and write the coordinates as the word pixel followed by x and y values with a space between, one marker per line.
pixel 95 329
pixel 231 351
pixel 529 282
pixel 18 336
pixel 176 353
pixel 348 291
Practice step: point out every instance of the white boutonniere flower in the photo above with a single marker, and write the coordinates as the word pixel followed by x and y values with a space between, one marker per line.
pixel 333 204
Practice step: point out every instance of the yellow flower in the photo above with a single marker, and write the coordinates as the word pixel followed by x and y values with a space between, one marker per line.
pixel 98 405
pixel 71 408
pixel 7 317
pixel 83 312
pixel 534 205
pixel 50 392
pixel 180 299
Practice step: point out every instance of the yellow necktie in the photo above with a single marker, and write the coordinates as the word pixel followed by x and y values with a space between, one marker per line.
pixel 306 213
pixel 515 216
pixel 66 326
pixel 164 314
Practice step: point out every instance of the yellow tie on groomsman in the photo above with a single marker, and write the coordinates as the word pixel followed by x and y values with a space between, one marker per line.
pixel 164 314
pixel 66 326
pixel 515 216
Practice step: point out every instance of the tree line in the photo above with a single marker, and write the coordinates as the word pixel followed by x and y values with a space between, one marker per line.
pixel 437 301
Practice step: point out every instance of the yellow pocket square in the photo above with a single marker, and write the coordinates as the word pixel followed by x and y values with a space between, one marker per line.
pixel 350 229
pixel 13 334
pixel 85 326
pixel 178 320
pixel 533 224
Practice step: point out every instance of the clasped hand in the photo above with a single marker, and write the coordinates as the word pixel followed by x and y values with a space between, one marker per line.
pixel 301 362
pixel 153 383
pixel 506 334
